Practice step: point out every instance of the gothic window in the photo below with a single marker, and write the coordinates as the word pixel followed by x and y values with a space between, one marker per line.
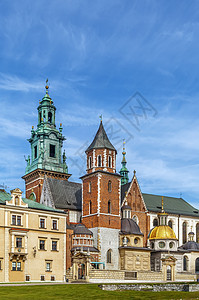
pixel 99 158
pixel 109 186
pixel 184 232
pixel 185 263
pixel 109 162
pixel 90 207
pixel 52 150
pixel 50 117
pixel 170 224
pixel 90 162
pixel 197 233
pixel 89 187
pixel 35 152
pixel 155 222
pixel 108 256
pixel 109 207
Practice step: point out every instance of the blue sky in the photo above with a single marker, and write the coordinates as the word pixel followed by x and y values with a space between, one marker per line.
pixel 109 58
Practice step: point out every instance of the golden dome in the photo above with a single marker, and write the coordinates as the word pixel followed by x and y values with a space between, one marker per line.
pixel 162 232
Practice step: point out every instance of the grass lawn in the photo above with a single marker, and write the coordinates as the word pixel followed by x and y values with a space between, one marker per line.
pixel 84 291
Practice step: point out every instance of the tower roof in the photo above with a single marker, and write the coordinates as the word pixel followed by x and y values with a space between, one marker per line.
pixel 101 140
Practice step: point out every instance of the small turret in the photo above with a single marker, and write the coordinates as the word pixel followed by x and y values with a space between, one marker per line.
pixel 124 171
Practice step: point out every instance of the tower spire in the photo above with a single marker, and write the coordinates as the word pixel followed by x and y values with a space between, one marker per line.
pixel 124 171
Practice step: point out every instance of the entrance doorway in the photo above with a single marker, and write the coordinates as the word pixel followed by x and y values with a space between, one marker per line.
pixel 81 271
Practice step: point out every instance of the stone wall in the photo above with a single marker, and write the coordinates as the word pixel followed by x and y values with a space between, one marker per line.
pixel 106 274
pixel 150 275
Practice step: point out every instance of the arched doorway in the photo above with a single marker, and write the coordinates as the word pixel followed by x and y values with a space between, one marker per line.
pixel 197 265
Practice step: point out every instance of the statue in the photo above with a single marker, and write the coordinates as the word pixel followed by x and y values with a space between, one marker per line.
pixel 65 168
pixel 27 160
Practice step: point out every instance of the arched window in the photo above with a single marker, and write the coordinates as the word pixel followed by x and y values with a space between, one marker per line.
pixel 155 222
pixel 16 200
pixel 90 207
pixel 99 158
pixel 110 161
pixel 109 207
pixel 32 197
pixel 170 224
pixel 185 263
pixel 184 232
pixel 109 186
pixel 89 162
pixel 108 256
pixel 50 117
pixel 197 265
pixel 89 187
pixel 197 232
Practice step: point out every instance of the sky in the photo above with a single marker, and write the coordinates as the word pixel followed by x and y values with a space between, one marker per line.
pixel 136 63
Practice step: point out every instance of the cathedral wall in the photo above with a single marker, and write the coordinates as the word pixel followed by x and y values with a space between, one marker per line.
pixel 134 260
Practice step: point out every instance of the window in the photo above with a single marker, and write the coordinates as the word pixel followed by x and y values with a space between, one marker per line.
pixel 89 187
pixel 19 220
pixel 16 200
pixel 170 224
pixel 14 219
pixel 108 256
pixel 18 242
pixel 50 117
pixel 99 158
pixel 35 152
pixel 52 150
pixel 155 222
pixel 42 278
pixel 161 244
pixel 18 266
pixel 110 162
pixel 42 244
pixel 55 224
pixel 40 117
pixel 135 218
pixel 27 277
pixel 171 244
pixel 109 186
pixel 90 162
pixel 52 278
pixel 136 240
pixel 14 266
pixel 54 245
pixel 109 207
pixel 197 265
pixel 185 263
pixel 32 197
pixel 184 232
pixel 48 267
pixel 90 207
pixel 42 223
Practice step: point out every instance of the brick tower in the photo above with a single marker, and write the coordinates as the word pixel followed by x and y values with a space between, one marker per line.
pixel 101 198
pixel 46 150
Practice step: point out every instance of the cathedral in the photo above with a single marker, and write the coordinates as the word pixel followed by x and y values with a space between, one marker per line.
pixel 113 229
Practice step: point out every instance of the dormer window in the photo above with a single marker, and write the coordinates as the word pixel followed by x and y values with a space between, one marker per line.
pixel 99 158
pixel 16 200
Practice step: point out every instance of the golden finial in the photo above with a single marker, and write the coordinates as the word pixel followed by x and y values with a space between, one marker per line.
pixel 162 204
pixel 32 127
pixel 60 124
pixel 47 87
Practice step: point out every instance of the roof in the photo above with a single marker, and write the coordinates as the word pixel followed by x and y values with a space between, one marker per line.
pixel 129 226
pixel 81 229
pixel 172 205
pixel 124 189
pixel 65 194
pixel 162 232
pixel 191 245
pixel 4 196
pixel 101 140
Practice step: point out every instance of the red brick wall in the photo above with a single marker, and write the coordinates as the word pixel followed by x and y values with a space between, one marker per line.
pixel 101 152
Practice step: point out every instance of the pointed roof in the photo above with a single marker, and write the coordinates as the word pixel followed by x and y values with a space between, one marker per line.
pixel 101 140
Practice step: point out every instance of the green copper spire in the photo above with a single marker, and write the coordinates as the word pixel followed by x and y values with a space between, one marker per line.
pixel 124 171
pixel 46 141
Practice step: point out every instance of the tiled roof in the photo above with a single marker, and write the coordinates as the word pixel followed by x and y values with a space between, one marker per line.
pixel 4 196
pixel 101 140
pixel 65 194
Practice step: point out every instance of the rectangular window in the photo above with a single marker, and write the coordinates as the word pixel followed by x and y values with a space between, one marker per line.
pixel 13 219
pixel 42 278
pixel 54 245
pixel 48 267
pixel 52 278
pixel 55 224
pixel 52 150
pixel 27 277
pixel 18 242
pixel 14 266
pixel 42 223
pixel 0 265
pixel 35 152
pixel 42 245
pixel 18 266
pixel 19 220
